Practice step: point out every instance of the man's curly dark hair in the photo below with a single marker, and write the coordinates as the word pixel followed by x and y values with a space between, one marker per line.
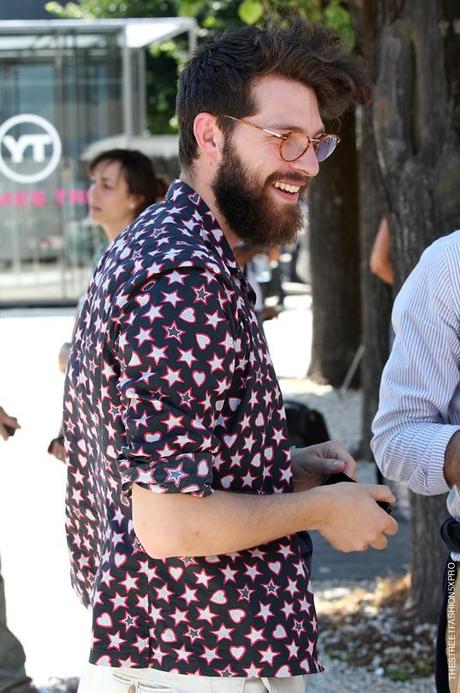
pixel 219 77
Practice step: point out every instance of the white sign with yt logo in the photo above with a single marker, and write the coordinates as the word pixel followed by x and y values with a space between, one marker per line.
pixel 42 137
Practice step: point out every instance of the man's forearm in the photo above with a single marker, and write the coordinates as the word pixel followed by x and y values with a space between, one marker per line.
pixel 220 523
pixel 413 452
pixel 182 525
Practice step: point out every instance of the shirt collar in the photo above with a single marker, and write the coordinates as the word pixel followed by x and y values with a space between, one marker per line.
pixel 204 223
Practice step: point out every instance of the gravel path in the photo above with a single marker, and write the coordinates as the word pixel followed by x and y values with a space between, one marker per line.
pixel 343 417
pixel 342 412
pixel 337 679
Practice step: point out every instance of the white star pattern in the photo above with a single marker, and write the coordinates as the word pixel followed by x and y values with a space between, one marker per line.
pixel 170 386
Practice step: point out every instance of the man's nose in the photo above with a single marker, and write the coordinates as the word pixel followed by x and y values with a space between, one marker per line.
pixel 308 163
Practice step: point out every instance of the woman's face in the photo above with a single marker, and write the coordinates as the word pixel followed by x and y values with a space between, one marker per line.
pixel 110 203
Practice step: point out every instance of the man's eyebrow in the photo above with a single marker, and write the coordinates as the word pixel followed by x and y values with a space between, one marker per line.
pixel 296 128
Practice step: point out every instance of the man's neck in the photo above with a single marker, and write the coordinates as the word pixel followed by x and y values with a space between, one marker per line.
pixel 206 193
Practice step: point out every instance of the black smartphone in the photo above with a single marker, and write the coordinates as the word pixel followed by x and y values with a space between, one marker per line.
pixel 340 476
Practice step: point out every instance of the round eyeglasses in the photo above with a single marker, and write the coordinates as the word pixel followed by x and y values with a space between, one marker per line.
pixel 294 144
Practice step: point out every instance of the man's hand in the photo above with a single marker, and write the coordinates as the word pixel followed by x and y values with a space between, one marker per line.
pixel 310 465
pixel 7 422
pixel 63 356
pixel 56 448
pixel 351 519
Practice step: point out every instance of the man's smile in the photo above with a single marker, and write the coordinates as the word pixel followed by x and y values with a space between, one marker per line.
pixel 287 187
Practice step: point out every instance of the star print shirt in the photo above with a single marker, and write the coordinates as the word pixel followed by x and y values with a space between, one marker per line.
pixel 170 386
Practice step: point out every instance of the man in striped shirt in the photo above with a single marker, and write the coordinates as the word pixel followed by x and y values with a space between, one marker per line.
pixel 417 427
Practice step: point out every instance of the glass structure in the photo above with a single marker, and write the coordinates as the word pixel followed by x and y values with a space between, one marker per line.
pixel 64 85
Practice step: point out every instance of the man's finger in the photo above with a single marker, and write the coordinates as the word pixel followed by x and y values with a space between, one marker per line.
pixel 337 450
pixel 381 493
pixel 3 433
pixel 324 465
pixel 13 422
pixel 351 470
pixel 9 421
pixel 391 526
pixel 380 543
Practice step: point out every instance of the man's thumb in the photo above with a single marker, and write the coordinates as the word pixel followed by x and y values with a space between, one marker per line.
pixel 329 466
pixel 382 493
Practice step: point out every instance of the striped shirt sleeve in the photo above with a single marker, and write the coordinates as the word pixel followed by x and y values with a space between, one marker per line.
pixel 417 412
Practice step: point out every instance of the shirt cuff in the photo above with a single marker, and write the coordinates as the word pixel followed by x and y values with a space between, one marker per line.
pixel 428 477
pixel 188 473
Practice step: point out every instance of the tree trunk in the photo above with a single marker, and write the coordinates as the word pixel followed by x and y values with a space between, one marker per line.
pixel 334 251
pixel 416 124
pixel 377 296
pixel 428 555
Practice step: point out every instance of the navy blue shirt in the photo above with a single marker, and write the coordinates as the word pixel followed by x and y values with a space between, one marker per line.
pixel 170 385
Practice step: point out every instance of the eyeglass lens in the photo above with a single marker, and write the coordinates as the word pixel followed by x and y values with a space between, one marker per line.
pixel 325 147
pixel 296 144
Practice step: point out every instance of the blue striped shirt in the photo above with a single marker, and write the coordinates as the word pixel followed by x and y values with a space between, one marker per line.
pixel 419 409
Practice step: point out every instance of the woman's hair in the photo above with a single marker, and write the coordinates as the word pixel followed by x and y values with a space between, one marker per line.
pixel 139 174
pixel 220 77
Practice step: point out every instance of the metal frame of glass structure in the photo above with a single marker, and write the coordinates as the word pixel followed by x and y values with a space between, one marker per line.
pixel 87 79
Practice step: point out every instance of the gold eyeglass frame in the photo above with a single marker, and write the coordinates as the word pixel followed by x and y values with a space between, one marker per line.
pixel 283 136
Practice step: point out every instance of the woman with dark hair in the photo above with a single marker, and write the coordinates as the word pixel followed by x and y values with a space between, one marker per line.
pixel 123 184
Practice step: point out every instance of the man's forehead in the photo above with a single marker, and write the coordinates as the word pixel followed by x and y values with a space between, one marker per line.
pixel 286 102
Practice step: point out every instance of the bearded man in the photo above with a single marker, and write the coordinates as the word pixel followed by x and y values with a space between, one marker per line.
pixel 182 516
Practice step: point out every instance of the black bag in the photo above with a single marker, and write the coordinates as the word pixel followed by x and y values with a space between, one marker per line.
pixel 305 426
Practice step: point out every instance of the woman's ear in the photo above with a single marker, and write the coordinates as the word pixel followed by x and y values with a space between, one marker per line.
pixel 135 201
pixel 208 136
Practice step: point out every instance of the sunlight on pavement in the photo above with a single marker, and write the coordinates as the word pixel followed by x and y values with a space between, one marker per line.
pixel 42 608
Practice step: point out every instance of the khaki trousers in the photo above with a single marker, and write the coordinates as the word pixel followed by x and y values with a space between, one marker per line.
pixel 453 634
pixel 98 679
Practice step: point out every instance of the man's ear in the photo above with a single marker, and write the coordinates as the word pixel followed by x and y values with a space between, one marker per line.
pixel 208 136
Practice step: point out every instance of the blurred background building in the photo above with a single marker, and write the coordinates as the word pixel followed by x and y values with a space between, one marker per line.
pixel 68 89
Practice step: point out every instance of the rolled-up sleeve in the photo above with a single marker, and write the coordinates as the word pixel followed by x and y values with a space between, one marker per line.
pixel 413 424
pixel 177 352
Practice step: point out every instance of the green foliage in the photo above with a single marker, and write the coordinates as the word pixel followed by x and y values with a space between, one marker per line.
pixel 190 8
pixel 251 11
pixel 164 61
pixel 111 9
pixel 161 78
pixel 69 11
pixel 338 18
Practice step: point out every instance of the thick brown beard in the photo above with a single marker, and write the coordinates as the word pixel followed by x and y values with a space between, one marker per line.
pixel 247 206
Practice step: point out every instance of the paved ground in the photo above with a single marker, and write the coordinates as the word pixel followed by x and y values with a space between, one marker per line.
pixel 329 564
pixel 42 608
pixel 395 560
